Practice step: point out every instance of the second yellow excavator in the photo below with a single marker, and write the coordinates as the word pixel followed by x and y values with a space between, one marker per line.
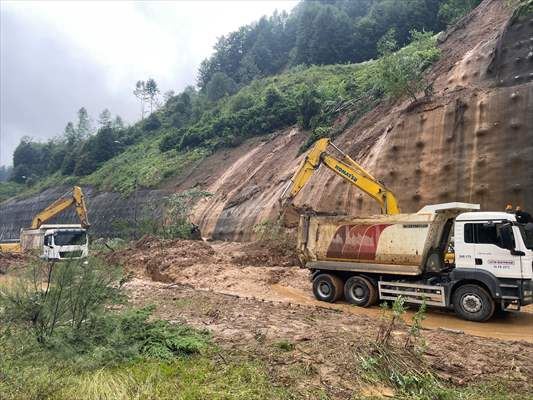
pixel 55 241
pixel 77 200
pixel 347 168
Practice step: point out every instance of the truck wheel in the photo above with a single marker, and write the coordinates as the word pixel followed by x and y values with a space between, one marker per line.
pixel 360 291
pixel 473 303
pixel 327 287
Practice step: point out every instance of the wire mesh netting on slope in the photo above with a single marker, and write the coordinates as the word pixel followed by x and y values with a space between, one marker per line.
pixel 109 212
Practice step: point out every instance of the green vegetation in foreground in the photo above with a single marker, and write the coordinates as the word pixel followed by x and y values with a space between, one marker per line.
pixel 68 332
pixel 398 364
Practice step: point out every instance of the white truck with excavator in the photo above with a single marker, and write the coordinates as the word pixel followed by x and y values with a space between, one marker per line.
pixel 446 255
pixel 55 241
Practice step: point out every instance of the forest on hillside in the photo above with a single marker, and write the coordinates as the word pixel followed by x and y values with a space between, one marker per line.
pixel 235 98
pixel 321 33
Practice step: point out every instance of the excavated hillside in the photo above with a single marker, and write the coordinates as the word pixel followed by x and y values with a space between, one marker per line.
pixel 471 140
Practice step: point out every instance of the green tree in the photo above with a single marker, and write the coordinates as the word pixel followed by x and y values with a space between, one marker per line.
pixel 71 134
pixel 84 123
pixel 104 119
pixel 117 123
pixel 219 86
pixel 331 38
pixel 140 93
pixel 309 107
pixel 169 94
pixel 26 160
pixel 452 10
pixel 5 173
pixel 152 92
pixel 401 72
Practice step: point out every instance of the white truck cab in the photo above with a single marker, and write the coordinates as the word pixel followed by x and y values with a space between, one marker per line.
pixel 57 242
pixel 494 242
pixel 497 250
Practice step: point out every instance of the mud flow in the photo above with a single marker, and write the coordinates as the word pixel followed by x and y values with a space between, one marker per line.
pixel 257 271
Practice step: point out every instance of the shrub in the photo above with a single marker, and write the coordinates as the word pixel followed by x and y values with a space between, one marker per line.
pixel 152 123
pixel 71 310
pixel 64 296
pixel 401 72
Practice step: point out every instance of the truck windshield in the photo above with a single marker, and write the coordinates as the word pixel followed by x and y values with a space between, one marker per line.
pixel 527 234
pixel 70 238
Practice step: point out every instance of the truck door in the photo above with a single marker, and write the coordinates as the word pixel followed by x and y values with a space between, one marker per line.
pixel 491 248
pixel 48 246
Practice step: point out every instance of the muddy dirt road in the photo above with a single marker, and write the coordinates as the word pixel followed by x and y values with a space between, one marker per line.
pixel 317 349
pixel 257 273
pixel 258 306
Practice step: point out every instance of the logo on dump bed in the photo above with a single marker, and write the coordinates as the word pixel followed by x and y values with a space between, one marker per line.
pixel 356 242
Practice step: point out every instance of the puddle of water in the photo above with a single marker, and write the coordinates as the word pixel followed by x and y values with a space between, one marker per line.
pixel 513 326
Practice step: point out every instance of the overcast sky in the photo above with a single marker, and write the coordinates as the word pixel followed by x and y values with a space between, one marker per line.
pixel 56 57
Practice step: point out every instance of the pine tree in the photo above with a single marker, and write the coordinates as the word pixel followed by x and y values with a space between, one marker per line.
pixel 151 91
pixel 104 119
pixel 84 124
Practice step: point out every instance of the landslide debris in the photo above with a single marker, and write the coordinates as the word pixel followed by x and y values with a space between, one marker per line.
pixel 161 259
pixel 246 268
pixel 324 347
pixel 265 254
pixel 10 260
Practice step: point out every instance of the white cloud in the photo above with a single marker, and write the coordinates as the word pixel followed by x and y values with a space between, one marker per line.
pixel 138 39
pixel 115 43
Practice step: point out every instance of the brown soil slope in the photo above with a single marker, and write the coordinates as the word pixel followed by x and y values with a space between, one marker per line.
pixel 471 141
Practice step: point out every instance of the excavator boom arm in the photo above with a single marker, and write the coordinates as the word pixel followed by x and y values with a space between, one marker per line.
pixel 77 200
pixel 347 169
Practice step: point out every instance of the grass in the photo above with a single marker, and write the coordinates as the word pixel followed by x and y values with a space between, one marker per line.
pixel 115 352
pixel 285 345
pixel 196 377
pixel 9 189
pixel 143 165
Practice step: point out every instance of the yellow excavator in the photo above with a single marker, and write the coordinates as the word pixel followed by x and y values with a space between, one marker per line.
pixel 351 171
pixel 57 207
pixel 347 168
pixel 77 199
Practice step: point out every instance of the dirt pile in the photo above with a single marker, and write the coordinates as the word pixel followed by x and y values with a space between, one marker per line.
pixel 246 268
pixel 161 259
pixel 10 260
pixel 261 254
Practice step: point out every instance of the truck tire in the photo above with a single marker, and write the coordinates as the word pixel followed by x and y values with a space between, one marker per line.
pixel 327 287
pixel 360 291
pixel 473 303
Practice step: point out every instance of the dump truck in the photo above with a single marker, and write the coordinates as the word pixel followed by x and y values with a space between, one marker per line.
pixel 448 255
pixel 55 241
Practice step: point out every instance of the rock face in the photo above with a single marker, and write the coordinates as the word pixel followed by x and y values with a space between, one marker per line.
pixel 471 141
